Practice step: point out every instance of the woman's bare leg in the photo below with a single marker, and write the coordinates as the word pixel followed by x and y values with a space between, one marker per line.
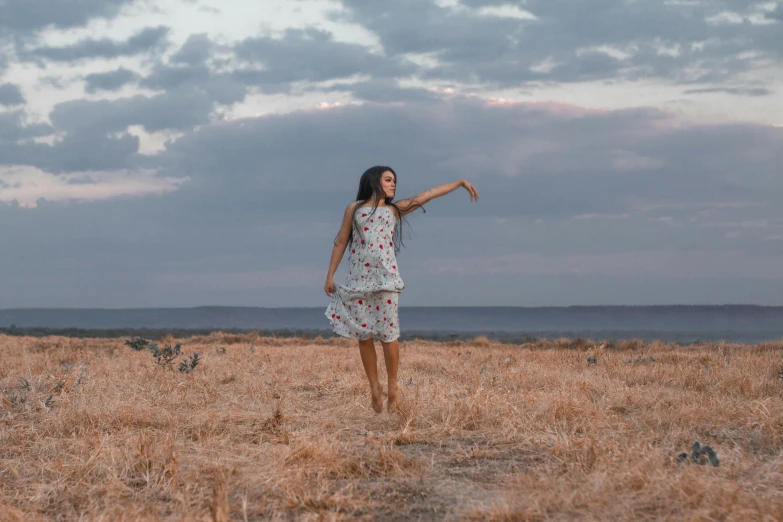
pixel 370 362
pixel 391 354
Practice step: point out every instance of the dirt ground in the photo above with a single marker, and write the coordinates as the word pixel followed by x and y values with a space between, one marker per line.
pixel 282 429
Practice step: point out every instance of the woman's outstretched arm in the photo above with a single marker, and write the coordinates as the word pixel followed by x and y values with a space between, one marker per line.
pixel 409 205
pixel 340 244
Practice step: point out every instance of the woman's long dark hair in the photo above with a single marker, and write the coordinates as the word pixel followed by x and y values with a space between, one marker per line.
pixel 370 189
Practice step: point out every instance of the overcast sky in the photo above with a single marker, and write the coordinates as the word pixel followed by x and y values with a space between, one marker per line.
pixel 201 152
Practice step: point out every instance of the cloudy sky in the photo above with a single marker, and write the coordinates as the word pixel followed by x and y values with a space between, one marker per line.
pixel 201 152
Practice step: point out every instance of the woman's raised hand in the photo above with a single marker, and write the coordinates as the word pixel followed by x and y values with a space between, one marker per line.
pixel 471 190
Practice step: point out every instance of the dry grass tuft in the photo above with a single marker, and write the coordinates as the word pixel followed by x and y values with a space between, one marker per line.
pixel 481 341
pixel 219 507
pixel 280 429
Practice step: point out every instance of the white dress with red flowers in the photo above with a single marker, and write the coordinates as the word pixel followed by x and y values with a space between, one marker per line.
pixel 366 306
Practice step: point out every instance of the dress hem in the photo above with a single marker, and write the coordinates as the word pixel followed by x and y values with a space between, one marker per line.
pixel 339 329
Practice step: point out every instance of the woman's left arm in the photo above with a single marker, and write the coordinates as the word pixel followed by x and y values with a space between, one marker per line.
pixel 409 205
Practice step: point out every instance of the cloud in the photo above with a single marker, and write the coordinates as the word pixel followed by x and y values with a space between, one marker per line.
pixel 309 55
pixel 671 41
pixel 190 69
pixel 533 159
pixel 82 151
pixel 93 134
pixel 196 50
pixel 144 41
pixel 13 128
pixel 776 14
pixel 284 179
pixel 758 91
pixel 109 81
pixel 384 91
pixel 32 15
pixel 175 109
pixel 634 192
pixel 218 87
pixel 26 185
pixel 10 94
pixel 72 153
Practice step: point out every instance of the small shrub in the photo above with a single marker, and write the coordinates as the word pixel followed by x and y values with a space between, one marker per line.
pixel 189 363
pixel 16 399
pixel 165 356
pixel 138 344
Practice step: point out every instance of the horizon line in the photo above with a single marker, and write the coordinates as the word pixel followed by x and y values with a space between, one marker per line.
pixel 196 307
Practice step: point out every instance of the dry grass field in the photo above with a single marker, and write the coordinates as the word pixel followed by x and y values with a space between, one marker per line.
pixel 281 429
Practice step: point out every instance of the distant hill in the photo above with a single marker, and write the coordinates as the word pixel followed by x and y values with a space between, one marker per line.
pixel 736 321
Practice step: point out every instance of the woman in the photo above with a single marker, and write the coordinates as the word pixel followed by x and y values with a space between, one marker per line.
pixel 365 308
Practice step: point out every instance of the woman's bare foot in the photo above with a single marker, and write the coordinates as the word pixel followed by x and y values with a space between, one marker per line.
pixel 377 400
pixel 392 402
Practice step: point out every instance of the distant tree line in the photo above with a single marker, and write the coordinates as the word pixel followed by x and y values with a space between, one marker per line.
pixel 683 338
pixel 149 333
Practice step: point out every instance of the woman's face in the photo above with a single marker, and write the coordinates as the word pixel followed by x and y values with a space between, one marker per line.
pixel 388 184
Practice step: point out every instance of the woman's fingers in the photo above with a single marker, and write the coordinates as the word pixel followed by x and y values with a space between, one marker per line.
pixel 472 191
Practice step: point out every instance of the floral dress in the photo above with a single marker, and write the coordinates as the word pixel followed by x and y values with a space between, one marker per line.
pixel 366 306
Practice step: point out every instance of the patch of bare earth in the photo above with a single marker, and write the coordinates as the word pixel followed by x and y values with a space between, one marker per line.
pixel 281 429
